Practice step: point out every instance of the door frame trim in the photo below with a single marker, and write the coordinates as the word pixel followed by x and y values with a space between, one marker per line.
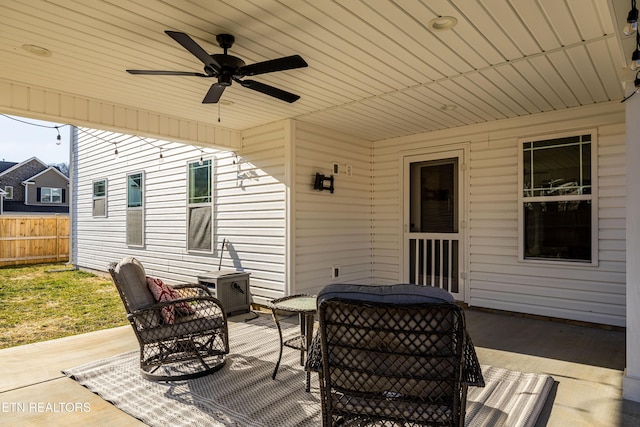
pixel 460 150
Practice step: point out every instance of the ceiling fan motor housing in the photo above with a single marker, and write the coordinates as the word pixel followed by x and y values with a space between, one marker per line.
pixel 229 66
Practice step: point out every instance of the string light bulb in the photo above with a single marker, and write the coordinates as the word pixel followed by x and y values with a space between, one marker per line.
pixel 631 27
pixel 635 60
pixel 56 127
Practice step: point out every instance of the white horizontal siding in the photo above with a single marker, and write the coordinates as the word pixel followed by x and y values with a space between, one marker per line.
pixel 249 207
pixel 331 229
pixel 359 226
pixel 45 104
pixel 496 279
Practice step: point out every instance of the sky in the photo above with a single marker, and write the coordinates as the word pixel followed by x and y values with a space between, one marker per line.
pixel 20 141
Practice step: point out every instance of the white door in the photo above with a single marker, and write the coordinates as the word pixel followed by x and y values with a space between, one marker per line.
pixel 433 242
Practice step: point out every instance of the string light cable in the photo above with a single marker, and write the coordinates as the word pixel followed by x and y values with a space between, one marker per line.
pixel 631 28
pixel 117 138
pixel 56 127
pixel 636 83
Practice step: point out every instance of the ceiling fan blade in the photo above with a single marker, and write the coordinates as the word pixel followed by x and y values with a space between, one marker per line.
pixel 286 63
pixel 167 73
pixel 195 49
pixel 269 90
pixel 214 94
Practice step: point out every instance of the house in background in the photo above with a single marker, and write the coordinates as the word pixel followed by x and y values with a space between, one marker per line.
pixel 31 187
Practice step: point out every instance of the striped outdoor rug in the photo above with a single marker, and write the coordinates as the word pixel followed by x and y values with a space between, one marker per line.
pixel 243 394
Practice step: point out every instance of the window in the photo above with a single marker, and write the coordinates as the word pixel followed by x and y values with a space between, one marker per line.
pixel 558 211
pixel 200 206
pixel 135 209
pixel 50 195
pixel 9 191
pixel 100 198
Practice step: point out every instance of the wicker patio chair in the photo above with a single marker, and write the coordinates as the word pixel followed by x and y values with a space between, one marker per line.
pixel 392 356
pixel 192 344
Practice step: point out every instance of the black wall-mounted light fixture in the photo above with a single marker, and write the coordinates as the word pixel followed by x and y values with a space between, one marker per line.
pixel 319 183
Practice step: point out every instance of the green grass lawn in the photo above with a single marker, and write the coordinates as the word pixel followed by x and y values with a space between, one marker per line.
pixel 50 301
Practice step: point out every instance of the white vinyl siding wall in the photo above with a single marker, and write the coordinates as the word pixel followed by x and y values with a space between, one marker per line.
pixel 331 229
pixel 251 209
pixel 288 235
pixel 249 212
pixel 495 277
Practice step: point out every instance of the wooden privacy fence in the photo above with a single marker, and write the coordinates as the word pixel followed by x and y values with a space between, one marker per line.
pixel 33 239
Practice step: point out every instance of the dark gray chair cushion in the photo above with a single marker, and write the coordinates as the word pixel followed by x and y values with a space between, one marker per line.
pixel 389 294
pixel 130 273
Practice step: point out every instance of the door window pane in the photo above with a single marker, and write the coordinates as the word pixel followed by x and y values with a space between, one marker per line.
pixel 433 201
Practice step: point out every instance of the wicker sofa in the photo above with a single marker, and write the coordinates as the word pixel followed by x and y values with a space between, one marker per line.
pixel 392 355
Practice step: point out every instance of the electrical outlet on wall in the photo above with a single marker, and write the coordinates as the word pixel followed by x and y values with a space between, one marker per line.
pixel 348 169
pixel 335 271
pixel 335 168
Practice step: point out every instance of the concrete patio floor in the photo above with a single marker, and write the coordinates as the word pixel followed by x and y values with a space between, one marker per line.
pixel 587 364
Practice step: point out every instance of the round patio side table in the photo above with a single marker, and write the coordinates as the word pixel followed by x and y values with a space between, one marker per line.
pixel 305 306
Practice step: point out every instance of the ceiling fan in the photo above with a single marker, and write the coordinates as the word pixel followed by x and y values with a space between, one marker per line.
pixel 228 68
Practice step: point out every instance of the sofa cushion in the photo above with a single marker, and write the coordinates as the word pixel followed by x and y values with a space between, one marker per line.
pixel 390 294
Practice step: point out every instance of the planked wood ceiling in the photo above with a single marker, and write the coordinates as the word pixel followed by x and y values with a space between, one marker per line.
pixel 376 70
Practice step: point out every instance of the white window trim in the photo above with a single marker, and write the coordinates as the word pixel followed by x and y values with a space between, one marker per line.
pixel 94 197
pixel 593 197
pixel 136 208
pixel 211 204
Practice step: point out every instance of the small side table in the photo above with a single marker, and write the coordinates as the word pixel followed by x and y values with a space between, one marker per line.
pixel 305 306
